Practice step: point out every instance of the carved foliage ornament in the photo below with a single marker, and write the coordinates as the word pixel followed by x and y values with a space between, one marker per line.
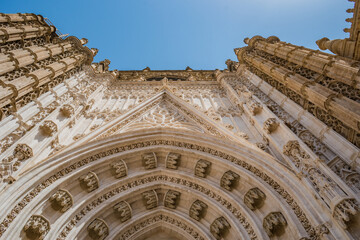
pixel 270 125
pixel 23 152
pixel 171 199
pixel 150 199
pixel 149 160
pixel 229 180
pixel 219 228
pixel 89 181
pixel 197 210
pixel 173 160
pixel 37 227
pixel 254 198
pixel 67 110
pixel 345 211
pixel 123 210
pixel 274 224
pixel 202 168
pixel 61 200
pixel 119 169
pixel 48 128
pixel 255 107
pixel 98 229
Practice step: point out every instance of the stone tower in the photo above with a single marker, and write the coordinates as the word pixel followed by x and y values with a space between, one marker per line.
pixel 265 149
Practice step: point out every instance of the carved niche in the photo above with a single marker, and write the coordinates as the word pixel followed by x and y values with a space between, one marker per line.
pixel 61 200
pixel 67 110
pixel 274 224
pixel 119 169
pixel 150 199
pixel 254 198
pixel 270 125
pixel 37 227
pixel 123 210
pixel 89 181
pixel 23 152
pixel 98 229
pixel 197 210
pixel 219 228
pixel 229 180
pixel 172 160
pixel 48 128
pixel 171 199
pixel 149 160
pixel 345 211
pixel 202 168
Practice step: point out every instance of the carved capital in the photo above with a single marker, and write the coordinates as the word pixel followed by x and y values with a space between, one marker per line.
pixel 67 110
pixel 119 169
pixel 345 211
pixel 61 200
pixel 274 224
pixel 37 227
pixel 254 198
pixel 123 210
pixel 197 210
pixel 229 180
pixel 48 128
pixel 98 229
pixel 172 160
pixel 219 228
pixel 150 199
pixel 171 199
pixel 202 168
pixel 89 181
pixel 270 125
pixel 149 160
pixel 255 107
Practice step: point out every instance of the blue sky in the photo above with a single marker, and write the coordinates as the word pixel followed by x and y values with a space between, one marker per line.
pixel 173 34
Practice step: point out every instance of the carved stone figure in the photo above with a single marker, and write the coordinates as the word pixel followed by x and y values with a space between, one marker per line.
pixel 98 229
pixel 123 210
pixel 172 160
pixel 254 198
pixel 274 224
pixel 37 227
pixel 202 168
pixel 119 169
pixel 229 180
pixel 171 199
pixel 219 228
pixel 61 200
pixel 150 199
pixel 89 181
pixel 197 210
pixel 149 160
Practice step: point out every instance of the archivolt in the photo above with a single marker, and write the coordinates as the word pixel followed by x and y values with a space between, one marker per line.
pixel 256 169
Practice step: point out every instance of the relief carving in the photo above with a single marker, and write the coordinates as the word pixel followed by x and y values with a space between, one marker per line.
pixel 255 107
pixel 172 160
pixel 67 110
pixel 123 210
pixel 119 169
pixel 89 181
pixel 48 128
pixel 254 198
pixel 197 210
pixel 202 168
pixel 219 228
pixel 270 125
pixel 274 224
pixel 171 199
pixel 229 180
pixel 23 152
pixel 345 212
pixel 37 227
pixel 150 199
pixel 61 200
pixel 98 229
pixel 149 160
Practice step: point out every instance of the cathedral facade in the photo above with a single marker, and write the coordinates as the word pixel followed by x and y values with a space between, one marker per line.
pixel 267 148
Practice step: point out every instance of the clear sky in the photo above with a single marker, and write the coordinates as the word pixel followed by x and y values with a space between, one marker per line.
pixel 173 34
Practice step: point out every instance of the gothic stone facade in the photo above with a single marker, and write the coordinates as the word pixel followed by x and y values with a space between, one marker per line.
pixel 265 149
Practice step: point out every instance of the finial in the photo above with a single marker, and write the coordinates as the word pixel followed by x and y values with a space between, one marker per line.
pixel 350 10
pixel 246 40
pixel 94 51
pixel 84 41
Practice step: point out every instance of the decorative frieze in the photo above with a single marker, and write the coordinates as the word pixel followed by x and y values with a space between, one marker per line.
pixel 123 210
pixel 202 168
pixel 219 228
pixel 37 227
pixel 229 180
pixel 345 211
pixel 274 224
pixel 150 199
pixel 67 110
pixel 171 199
pixel 48 128
pixel 197 210
pixel 89 181
pixel 172 160
pixel 254 198
pixel 98 229
pixel 61 200
pixel 149 160
pixel 119 169
pixel 270 125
